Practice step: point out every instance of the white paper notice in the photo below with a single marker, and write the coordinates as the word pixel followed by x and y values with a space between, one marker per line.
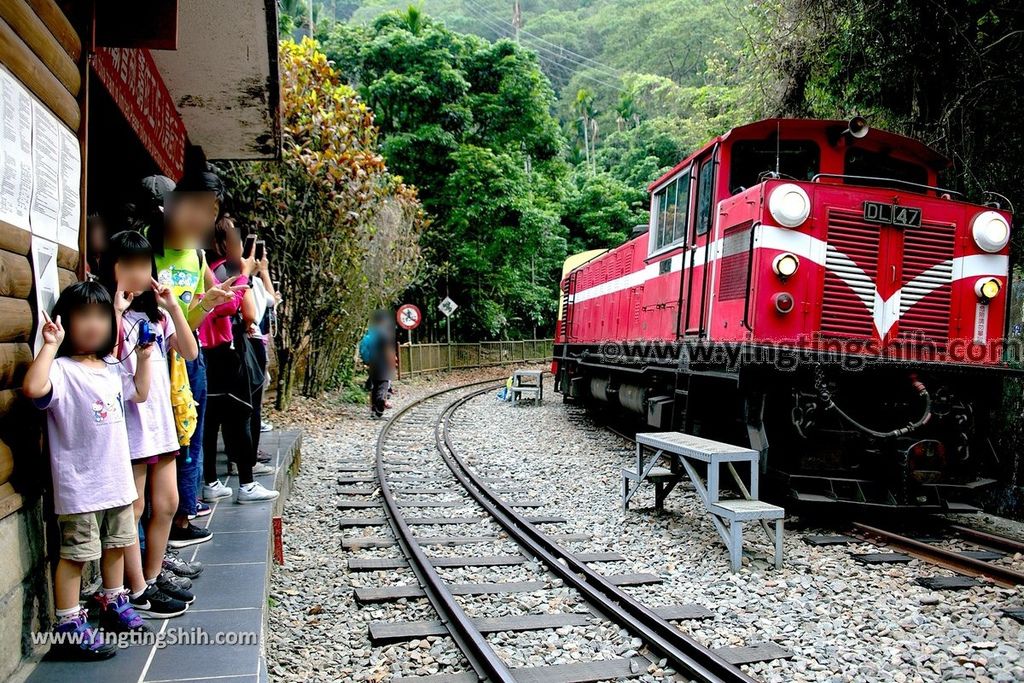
pixel 44 270
pixel 15 151
pixel 45 172
pixel 70 179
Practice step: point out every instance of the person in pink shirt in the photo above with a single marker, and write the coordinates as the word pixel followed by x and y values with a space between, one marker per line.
pixel 232 384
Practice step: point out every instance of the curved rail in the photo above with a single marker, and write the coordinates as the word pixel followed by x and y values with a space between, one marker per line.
pixel 683 651
pixel 482 657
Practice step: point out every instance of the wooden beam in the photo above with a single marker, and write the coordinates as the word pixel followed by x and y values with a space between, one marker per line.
pixel 15 239
pixel 15 275
pixel 15 320
pixel 67 257
pixel 14 361
pixel 30 70
pixel 66 278
pixel 43 43
pixel 52 15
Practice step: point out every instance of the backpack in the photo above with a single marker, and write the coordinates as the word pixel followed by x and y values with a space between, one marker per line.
pixel 368 346
pixel 183 404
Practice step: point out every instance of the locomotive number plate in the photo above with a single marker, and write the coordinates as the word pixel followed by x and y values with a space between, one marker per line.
pixel 892 214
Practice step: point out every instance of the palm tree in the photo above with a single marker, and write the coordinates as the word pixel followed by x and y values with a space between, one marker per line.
pixel 413 19
pixel 584 106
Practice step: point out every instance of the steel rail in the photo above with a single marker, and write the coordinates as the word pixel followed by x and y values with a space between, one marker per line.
pixel 989 539
pixel 684 652
pixel 482 657
pixel 950 559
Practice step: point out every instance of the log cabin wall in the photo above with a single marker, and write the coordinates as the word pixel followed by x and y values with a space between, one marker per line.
pixel 41 49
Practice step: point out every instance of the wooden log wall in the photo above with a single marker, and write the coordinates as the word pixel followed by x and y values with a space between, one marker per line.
pixel 41 48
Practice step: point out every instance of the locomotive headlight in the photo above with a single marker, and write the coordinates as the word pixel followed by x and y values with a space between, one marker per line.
pixel 785 265
pixel 991 231
pixel 789 205
pixel 987 288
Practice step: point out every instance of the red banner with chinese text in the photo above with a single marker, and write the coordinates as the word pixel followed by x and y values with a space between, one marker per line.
pixel 132 79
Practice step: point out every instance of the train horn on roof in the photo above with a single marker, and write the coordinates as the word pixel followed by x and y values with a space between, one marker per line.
pixel 857 128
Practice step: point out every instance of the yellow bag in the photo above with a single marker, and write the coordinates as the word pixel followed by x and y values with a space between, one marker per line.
pixel 183 404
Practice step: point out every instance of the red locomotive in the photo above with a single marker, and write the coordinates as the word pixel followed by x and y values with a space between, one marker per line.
pixel 806 284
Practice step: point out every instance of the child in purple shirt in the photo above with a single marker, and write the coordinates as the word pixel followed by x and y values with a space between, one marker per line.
pixel 83 392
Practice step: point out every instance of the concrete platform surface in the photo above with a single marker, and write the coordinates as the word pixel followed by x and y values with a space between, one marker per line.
pixel 220 638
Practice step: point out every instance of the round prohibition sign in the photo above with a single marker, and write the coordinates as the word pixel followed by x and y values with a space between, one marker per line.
pixel 409 317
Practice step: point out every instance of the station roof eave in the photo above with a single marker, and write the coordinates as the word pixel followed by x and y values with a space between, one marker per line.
pixel 223 77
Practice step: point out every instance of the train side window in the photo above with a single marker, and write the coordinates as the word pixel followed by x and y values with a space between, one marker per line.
pixel 673 207
pixel 705 197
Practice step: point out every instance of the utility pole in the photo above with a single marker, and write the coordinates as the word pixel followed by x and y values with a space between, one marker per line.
pixel 517 18
pixel 312 28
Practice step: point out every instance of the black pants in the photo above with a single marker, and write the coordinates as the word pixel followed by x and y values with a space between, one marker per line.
pixel 256 418
pixel 378 393
pixel 223 414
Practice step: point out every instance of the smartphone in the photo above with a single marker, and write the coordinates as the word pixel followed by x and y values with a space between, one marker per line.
pixel 250 246
pixel 261 249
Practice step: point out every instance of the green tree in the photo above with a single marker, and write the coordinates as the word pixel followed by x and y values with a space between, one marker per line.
pixel 469 123
pixel 341 230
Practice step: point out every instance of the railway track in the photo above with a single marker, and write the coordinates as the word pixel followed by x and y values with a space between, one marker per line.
pixel 954 560
pixel 417 439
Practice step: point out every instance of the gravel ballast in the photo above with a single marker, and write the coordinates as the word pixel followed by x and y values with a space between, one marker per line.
pixel 842 620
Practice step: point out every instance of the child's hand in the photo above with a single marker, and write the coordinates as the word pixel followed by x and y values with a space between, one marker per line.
pixel 122 300
pixel 53 331
pixel 164 296
pixel 144 351
pixel 222 293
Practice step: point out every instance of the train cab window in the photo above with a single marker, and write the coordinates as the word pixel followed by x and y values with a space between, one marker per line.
pixel 879 167
pixel 751 159
pixel 705 196
pixel 672 203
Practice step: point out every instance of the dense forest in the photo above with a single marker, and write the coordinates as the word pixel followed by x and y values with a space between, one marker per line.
pixel 532 128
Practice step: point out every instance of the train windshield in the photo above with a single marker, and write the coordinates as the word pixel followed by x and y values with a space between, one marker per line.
pixel 877 169
pixel 752 159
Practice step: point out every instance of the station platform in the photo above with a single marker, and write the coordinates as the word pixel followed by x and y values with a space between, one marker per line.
pixel 231 596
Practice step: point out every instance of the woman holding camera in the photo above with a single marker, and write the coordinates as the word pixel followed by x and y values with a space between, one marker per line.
pixel 233 373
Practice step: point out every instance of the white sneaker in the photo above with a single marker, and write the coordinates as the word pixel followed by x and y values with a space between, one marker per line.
pixel 215 491
pixel 262 468
pixel 266 426
pixel 255 493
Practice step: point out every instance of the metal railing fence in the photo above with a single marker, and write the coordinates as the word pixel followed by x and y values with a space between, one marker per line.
pixel 418 359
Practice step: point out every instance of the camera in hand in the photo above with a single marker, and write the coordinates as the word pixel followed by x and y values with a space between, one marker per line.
pixel 147 335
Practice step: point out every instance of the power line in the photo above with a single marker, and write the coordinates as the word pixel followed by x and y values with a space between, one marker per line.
pixel 559 52
pixel 611 71
pixel 569 71
pixel 551 58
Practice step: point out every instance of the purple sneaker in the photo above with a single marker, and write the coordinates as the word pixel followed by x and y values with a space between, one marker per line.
pixel 76 639
pixel 118 615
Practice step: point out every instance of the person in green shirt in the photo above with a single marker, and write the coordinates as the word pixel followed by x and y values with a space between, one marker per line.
pixel 177 234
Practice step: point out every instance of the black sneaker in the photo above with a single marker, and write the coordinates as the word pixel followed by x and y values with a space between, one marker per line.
pixel 154 604
pixel 182 567
pixel 171 590
pixel 188 535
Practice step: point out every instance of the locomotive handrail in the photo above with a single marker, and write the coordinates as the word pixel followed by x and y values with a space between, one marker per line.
pixel 906 183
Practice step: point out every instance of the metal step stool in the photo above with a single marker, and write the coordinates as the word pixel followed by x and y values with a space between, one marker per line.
pixel 728 516
pixel 532 389
pixel 735 513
